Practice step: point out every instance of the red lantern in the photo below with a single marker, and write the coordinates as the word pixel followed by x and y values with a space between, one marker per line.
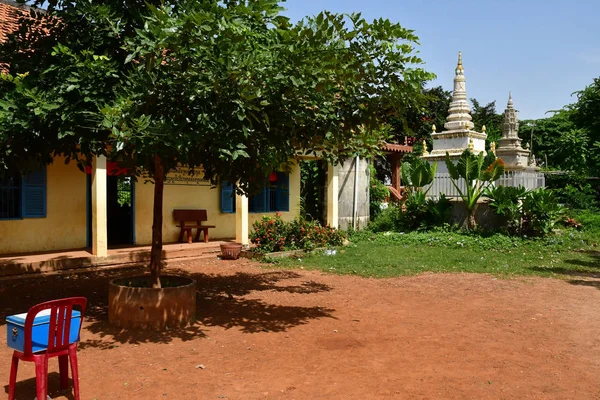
pixel 273 177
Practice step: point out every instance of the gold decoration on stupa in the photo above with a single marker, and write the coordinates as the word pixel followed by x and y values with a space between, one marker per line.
pixel 459 68
pixel 425 152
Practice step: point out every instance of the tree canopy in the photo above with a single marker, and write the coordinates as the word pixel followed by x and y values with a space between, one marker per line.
pixel 233 88
pixel 570 138
pixel 486 115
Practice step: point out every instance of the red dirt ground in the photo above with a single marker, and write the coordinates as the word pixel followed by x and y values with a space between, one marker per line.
pixel 278 334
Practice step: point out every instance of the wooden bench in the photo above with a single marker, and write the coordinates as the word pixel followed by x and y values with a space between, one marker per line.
pixel 184 217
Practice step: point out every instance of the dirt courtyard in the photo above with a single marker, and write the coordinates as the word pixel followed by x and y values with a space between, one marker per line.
pixel 279 334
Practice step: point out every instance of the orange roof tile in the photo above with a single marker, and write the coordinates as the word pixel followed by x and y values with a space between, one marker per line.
pixel 10 12
pixel 397 148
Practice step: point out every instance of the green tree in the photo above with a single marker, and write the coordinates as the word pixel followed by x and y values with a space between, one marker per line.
pixel 477 172
pixel 559 141
pixel 486 115
pixel 570 138
pixel 431 108
pixel 232 88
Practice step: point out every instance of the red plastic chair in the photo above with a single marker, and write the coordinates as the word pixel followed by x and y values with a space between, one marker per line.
pixel 58 346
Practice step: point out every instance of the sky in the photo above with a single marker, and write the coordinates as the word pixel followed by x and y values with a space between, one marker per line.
pixel 541 50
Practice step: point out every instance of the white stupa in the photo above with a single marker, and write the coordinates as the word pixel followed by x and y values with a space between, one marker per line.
pixel 459 133
pixel 509 148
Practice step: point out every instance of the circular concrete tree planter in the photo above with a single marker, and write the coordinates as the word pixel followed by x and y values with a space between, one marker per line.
pixel 132 303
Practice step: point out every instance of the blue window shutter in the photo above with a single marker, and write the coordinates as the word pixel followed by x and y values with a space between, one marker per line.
pixel 227 198
pixel 34 194
pixel 283 191
pixel 259 202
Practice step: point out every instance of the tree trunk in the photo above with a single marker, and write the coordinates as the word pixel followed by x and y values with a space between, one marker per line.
pixel 471 221
pixel 157 222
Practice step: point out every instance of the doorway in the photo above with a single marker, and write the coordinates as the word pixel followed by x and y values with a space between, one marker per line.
pixel 120 210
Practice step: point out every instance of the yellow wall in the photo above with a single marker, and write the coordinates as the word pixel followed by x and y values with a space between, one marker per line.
pixel 65 224
pixel 196 197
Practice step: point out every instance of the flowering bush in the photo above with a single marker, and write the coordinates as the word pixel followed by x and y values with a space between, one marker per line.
pixel 272 234
pixel 308 235
pixel 269 234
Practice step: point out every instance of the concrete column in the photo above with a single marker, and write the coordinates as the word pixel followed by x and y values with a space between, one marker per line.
pixel 396 173
pixel 332 195
pixel 99 202
pixel 241 220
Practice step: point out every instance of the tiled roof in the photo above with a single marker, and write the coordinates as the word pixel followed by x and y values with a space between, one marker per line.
pixel 397 148
pixel 9 17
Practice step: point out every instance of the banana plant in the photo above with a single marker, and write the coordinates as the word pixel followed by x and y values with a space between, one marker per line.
pixel 478 172
pixel 417 174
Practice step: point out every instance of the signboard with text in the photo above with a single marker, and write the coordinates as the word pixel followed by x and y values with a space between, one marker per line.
pixel 182 177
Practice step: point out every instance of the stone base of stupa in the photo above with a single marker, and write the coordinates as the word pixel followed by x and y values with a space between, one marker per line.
pixel 515 158
pixel 454 143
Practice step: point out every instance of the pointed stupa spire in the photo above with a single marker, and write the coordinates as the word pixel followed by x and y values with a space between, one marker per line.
pixel 510 125
pixel 459 118
pixel 459 67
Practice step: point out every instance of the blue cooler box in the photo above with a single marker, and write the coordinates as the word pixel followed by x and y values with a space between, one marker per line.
pixel 15 335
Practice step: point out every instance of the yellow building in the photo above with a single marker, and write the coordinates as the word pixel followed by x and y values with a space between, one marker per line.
pixel 60 207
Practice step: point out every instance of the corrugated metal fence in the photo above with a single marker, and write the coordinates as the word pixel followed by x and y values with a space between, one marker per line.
pixel 443 183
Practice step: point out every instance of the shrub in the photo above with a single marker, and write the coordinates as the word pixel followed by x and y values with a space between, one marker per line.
pixel 387 220
pixel 533 212
pixel 589 220
pixel 415 211
pixel 506 201
pixel 541 211
pixel 421 213
pixel 438 211
pixel 269 234
pixel 272 234
pixel 578 196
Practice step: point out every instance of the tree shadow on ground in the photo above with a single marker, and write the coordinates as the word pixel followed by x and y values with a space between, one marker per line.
pixel 593 262
pixel 581 282
pixel 566 271
pixel 221 302
pixel 587 269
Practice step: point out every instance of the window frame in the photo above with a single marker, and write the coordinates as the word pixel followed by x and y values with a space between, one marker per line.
pixel 28 188
pixel 281 187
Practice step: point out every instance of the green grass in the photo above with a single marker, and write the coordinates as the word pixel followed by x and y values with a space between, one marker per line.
pixel 567 253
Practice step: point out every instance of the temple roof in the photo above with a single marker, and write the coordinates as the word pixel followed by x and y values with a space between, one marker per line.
pixel 397 148
pixel 9 18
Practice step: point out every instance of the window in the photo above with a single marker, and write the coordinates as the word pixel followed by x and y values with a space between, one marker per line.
pixel 227 197
pixel 23 196
pixel 275 196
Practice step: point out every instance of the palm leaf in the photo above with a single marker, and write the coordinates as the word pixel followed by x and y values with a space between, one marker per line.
pixel 494 171
pixel 406 172
pixel 452 170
